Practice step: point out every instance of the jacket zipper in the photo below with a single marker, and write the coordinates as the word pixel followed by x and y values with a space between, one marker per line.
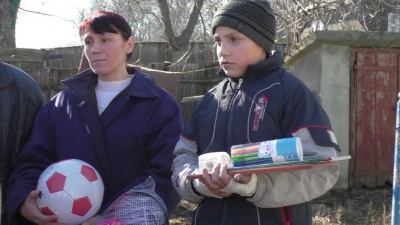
pixel 231 116
pixel 239 84
pixel 229 138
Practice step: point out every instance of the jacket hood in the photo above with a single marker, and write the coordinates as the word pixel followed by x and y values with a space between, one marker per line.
pixel 264 67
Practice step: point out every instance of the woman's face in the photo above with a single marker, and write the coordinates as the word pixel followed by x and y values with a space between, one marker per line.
pixel 236 51
pixel 106 54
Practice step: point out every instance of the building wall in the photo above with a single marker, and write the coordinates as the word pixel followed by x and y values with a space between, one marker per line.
pixel 309 70
pixel 325 70
pixel 335 94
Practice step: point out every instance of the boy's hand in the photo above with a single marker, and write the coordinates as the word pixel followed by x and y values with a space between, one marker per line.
pixel 31 211
pixel 242 178
pixel 217 180
pixel 221 184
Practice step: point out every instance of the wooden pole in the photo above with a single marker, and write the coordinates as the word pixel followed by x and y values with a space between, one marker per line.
pixel 396 170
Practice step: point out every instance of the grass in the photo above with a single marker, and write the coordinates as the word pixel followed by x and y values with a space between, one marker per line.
pixel 356 206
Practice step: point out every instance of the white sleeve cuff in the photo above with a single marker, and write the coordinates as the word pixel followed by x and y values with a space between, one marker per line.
pixel 242 189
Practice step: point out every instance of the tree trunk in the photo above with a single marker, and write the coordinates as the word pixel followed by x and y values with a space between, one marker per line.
pixel 8 15
pixel 181 42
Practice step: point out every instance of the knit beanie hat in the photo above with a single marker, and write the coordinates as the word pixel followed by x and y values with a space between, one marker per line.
pixel 253 18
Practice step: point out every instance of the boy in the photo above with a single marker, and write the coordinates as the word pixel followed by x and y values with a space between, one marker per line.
pixel 257 101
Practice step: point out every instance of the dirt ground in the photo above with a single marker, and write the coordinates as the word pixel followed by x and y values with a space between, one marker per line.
pixel 355 206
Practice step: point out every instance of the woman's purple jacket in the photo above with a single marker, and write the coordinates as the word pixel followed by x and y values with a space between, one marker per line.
pixel 132 139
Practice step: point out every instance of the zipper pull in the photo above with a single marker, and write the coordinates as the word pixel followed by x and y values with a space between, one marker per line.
pixel 239 84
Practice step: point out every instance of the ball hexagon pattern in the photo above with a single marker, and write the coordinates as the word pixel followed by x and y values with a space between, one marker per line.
pixel 71 189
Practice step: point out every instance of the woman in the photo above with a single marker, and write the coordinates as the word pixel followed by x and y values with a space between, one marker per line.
pixel 111 116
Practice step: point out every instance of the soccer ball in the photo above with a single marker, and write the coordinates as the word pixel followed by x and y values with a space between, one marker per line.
pixel 71 189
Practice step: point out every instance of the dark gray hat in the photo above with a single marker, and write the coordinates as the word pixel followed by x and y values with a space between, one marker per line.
pixel 253 18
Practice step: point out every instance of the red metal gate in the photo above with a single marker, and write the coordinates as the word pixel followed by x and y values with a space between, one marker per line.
pixel 374 87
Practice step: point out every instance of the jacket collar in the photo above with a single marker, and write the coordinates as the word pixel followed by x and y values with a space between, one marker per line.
pixel 84 83
pixel 264 67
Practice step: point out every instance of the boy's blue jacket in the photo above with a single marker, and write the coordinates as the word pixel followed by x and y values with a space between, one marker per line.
pixel 132 139
pixel 267 103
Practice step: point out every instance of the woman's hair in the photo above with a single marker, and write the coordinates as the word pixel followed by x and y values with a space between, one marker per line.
pixel 104 21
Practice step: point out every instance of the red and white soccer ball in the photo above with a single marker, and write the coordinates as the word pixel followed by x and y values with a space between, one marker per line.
pixel 71 189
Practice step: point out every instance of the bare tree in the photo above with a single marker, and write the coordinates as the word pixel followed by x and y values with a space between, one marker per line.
pixel 180 42
pixel 142 15
pixel 173 21
pixel 180 21
pixel 8 17
pixel 297 18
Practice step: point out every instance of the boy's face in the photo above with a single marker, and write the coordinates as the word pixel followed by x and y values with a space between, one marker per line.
pixel 236 51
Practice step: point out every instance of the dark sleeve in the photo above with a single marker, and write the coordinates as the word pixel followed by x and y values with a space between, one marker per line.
pixel 167 127
pixel 303 111
pixel 30 162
